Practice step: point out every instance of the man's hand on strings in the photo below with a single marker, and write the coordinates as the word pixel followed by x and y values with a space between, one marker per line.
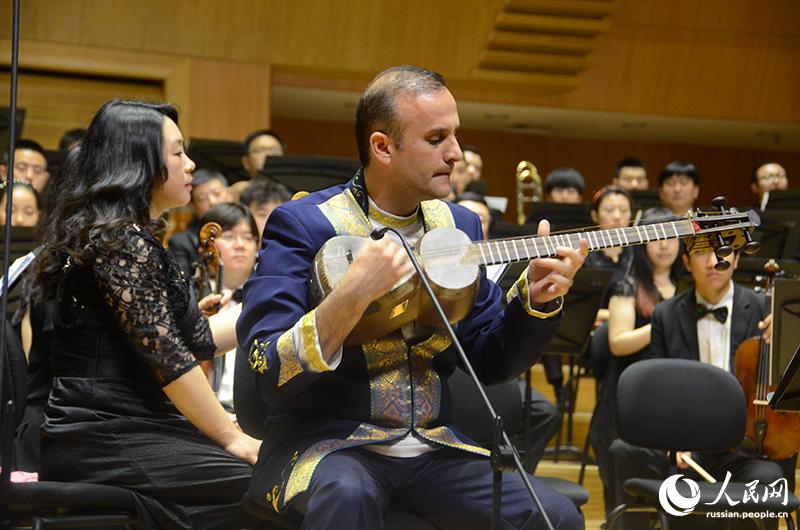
pixel 549 278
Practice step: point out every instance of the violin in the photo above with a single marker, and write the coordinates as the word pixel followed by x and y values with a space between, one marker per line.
pixel 210 262
pixel 775 434
pixel 451 263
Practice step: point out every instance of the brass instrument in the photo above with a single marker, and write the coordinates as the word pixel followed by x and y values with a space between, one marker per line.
pixel 529 188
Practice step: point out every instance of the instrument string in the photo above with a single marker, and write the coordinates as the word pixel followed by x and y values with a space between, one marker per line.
pixel 597 237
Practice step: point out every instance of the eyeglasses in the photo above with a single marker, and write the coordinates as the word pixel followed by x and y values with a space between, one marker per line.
pixel 230 238
pixel 22 167
pixel 774 177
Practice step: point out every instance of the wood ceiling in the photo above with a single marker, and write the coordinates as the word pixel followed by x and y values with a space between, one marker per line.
pixel 543 43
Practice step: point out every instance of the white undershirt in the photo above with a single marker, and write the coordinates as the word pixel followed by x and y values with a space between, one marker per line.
pixel 713 336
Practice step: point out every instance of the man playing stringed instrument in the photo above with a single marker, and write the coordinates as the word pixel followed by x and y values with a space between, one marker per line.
pixel 357 429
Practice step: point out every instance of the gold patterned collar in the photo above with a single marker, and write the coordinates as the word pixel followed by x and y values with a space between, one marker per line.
pixel 391 220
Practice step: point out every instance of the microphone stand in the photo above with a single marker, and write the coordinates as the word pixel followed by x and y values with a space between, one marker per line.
pixel 502 450
pixel 7 412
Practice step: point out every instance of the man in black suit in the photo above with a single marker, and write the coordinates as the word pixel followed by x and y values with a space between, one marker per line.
pixel 707 324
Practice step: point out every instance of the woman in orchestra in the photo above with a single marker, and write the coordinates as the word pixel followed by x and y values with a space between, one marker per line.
pixel 24 204
pixel 654 273
pixel 129 405
pixel 611 208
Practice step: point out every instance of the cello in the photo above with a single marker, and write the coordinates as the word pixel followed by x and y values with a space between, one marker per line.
pixel 210 262
pixel 210 268
pixel 775 434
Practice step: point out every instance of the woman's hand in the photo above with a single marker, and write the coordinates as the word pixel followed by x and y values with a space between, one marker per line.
pixel 244 447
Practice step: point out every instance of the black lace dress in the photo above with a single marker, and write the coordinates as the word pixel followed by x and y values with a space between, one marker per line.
pixel 124 328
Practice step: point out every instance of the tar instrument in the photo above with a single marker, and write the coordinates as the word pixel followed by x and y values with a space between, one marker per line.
pixel 210 262
pixel 451 263
pixel 776 434
pixel 529 188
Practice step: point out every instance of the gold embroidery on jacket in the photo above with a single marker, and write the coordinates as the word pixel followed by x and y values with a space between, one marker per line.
pixel 389 385
pixel 290 365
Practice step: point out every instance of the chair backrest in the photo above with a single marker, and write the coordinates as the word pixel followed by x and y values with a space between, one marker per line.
pixel 677 404
pixel 469 411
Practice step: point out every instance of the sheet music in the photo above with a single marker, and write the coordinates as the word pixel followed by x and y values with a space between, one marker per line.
pixel 18 267
pixel 495 272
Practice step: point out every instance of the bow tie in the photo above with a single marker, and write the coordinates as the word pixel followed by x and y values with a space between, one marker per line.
pixel 237 296
pixel 720 313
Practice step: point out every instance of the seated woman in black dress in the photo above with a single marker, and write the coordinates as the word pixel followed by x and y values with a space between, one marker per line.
pixel 129 405
pixel 655 271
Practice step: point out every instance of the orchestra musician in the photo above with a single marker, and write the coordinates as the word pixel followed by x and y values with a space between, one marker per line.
pixel 706 324
pixel 354 430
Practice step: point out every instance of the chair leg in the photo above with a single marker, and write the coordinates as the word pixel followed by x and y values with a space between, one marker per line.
pixel 622 509
pixel 615 514
pixel 663 520
pixel 789 521
pixel 584 460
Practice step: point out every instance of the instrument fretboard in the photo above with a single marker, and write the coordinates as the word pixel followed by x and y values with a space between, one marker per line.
pixel 500 251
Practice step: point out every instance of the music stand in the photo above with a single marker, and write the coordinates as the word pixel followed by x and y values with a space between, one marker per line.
pixel 787 396
pixel 224 156
pixel 23 241
pixel 644 199
pixel 581 304
pixel 504 229
pixel 309 173
pixel 784 200
pixel 750 271
pixel 785 324
pixel 778 233
pixel 561 216
pixel 5 127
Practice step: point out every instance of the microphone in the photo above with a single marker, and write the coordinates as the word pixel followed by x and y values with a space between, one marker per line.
pixel 378 233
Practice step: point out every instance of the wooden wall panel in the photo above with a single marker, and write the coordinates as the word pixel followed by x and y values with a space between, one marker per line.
pixel 216 99
pixel 55 102
pixel 733 59
pixel 228 100
pixel 723 171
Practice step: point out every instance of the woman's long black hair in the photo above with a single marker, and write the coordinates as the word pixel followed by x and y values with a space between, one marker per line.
pixel 107 187
pixel 646 292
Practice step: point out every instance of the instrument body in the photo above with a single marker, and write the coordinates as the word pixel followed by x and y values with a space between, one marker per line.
pixel 776 434
pixel 454 278
pixel 211 267
pixel 451 263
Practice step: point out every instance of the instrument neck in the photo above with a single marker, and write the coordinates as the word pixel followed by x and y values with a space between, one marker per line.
pixel 501 251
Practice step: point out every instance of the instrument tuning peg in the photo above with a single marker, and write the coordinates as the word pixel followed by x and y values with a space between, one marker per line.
pixel 719 203
pixel 751 247
pixel 723 249
pixel 722 264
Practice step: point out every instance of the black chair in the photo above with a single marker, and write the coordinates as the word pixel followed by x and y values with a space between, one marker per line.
pixel 48 504
pixel 472 419
pixel 682 405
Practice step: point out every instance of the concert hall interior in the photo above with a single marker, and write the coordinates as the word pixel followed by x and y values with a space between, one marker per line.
pixel 621 122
